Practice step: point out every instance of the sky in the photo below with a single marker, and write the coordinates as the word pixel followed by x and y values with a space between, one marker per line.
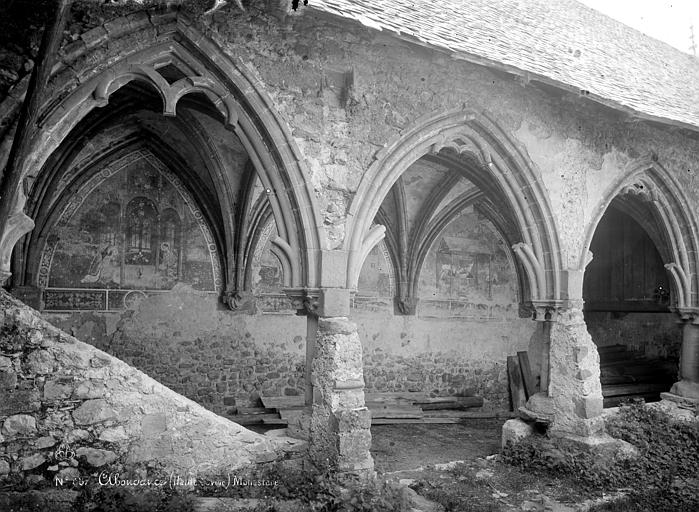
pixel 667 20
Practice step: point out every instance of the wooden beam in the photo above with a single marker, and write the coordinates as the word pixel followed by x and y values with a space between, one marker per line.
pixel 517 394
pixel 527 377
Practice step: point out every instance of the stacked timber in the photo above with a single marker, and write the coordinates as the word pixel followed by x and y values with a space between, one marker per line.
pixel 386 408
pixel 522 383
pixel 626 374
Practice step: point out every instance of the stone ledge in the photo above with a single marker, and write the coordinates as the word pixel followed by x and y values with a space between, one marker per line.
pixel 681 401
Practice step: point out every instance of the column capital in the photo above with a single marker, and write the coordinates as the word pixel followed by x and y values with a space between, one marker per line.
pixel 689 315
pixel 304 300
pixel 551 310
pixel 320 302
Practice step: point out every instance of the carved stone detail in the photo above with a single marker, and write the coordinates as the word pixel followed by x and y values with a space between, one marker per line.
pixel 406 306
pixel 306 301
pixel 240 301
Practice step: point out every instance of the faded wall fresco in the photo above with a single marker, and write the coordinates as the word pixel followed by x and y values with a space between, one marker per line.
pixel 267 274
pixel 469 273
pixel 467 320
pixel 131 230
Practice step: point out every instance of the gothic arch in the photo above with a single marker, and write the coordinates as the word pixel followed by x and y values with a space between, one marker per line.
pixel 244 107
pixel 473 138
pixel 674 229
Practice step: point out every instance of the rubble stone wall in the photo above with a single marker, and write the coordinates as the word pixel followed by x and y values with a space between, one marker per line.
pixel 224 360
pixel 199 348
pixel 71 410
pixel 652 334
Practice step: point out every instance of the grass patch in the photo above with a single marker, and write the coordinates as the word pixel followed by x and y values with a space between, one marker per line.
pixel 311 488
pixel 665 477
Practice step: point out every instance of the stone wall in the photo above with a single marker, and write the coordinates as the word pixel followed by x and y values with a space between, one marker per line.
pixel 442 356
pixel 223 360
pixel 652 334
pixel 68 410
pixel 197 347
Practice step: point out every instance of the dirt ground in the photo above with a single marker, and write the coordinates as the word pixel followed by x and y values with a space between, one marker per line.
pixel 459 467
pixel 404 447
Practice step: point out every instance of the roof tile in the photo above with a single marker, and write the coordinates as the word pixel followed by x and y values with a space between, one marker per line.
pixel 560 40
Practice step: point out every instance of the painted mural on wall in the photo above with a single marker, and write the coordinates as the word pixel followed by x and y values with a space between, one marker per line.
pixel 376 285
pixel 468 272
pixel 267 272
pixel 267 275
pixel 130 230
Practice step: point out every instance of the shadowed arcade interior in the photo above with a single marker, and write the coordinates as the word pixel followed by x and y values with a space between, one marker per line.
pixel 627 295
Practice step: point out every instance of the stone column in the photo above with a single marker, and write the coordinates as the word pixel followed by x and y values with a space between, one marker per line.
pixel 688 386
pixel 340 435
pixel 574 386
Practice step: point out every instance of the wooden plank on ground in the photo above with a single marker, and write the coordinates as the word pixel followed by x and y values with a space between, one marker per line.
pixel 527 377
pixel 461 418
pixel 517 394
pixel 464 402
pixel 275 421
pixel 253 410
pixel 252 419
pixel 397 412
pixel 282 402
pixel 632 389
pixel 410 396
pixel 611 348
pixel 293 414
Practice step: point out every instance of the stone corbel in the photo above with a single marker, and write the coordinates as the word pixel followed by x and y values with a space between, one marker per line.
pixel 306 301
pixel 687 314
pixel 320 302
pixel 547 310
pixel 405 306
pixel 240 301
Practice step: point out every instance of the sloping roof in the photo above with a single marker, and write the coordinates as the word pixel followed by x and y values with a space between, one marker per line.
pixel 559 41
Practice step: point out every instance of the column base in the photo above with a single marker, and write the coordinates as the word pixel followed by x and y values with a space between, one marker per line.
pixel 602 445
pixel 686 389
pixel 341 440
pixel 539 409
pixel 681 401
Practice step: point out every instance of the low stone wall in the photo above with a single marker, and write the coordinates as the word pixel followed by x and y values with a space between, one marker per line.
pixel 653 334
pixel 223 360
pixel 69 410
pixel 197 347
pixel 443 356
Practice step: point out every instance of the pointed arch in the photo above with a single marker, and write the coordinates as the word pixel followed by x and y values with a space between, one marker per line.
pixel 479 143
pixel 674 229
pixel 245 108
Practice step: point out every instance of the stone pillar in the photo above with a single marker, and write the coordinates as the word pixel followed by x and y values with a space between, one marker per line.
pixel 574 386
pixel 340 435
pixel 688 386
